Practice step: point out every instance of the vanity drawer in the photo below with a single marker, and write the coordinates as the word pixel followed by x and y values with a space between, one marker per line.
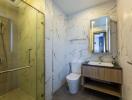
pixel 113 75
pixel 90 71
pixel 104 74
pixel 93 72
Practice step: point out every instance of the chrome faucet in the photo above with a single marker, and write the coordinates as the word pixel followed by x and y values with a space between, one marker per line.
pixel 100 58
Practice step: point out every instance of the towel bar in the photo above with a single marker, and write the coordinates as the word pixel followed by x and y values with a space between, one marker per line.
pixel 16 69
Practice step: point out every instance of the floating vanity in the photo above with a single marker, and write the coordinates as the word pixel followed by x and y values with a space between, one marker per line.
pixel 105 79
pixel 101 76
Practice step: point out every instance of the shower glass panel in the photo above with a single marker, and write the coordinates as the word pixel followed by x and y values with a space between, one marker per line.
pixel 40 55
pixel 21 52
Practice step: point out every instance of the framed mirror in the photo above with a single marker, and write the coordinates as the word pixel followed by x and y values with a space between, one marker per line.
pixel 100 35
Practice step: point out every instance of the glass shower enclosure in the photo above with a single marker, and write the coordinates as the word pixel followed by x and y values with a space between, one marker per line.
pixel 21 52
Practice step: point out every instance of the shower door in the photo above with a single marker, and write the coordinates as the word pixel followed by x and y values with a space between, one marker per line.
pixel 40 39
pixel 21 53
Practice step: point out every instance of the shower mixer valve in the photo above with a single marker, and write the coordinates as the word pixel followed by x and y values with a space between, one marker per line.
pixel 1 60
pixel 29 51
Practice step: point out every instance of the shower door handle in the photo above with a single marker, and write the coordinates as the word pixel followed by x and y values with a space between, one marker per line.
pixel 29 54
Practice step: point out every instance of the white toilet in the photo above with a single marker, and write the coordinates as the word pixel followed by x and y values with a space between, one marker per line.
pixel 73 79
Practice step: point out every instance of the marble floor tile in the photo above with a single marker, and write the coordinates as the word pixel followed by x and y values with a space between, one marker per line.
pixel 83 94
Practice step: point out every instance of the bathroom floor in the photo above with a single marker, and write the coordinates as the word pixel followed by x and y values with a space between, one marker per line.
pixel 63 94
pixel 16 94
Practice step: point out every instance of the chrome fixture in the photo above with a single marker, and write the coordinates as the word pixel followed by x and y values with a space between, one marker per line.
pixel 101 58
pixel 16 69
pixel 29 54
pixel 3 41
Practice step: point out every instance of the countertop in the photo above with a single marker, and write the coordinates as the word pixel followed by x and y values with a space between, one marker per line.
pixel 115 66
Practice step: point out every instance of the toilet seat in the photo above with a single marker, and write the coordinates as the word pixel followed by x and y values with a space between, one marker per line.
pixel 73 76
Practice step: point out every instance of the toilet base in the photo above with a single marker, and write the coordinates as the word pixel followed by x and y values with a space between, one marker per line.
pixel 73 81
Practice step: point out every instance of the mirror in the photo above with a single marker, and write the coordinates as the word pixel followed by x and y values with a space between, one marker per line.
pixel 99 42
pixel 100 35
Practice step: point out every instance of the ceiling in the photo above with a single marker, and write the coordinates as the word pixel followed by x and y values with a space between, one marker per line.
pixel 73 6
pixel 11 2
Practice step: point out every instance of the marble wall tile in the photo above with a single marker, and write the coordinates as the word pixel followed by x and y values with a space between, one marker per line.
pixel 125 48
pixel 78 31
pixel 8 81
pixel 67 40
pixel 48 50
pixel 40 39
pixel 26 41
pixel 8 11
pixel 56 68
pixel 32 79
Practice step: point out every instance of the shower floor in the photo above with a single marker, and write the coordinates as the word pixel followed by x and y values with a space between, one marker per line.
pixel 16 94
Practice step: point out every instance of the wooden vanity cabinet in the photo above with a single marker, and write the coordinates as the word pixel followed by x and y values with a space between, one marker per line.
pixel 102 73
pixel 103 79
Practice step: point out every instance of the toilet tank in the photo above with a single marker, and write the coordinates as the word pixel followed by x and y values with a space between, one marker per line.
pixel 76 67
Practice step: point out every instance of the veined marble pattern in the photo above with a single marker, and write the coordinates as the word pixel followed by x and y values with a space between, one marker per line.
pixel 8 11
pixel 40 56
pixel 32 80
pixel 27 40
pixel 78 31
pixel 125 47
pixel 56 67
pixel 7 81
pixel 67 40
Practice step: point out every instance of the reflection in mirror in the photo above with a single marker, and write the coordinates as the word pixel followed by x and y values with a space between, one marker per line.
pixel 101 35
pixel 99 42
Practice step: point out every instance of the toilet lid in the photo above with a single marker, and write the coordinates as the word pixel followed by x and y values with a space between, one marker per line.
pixel 73 76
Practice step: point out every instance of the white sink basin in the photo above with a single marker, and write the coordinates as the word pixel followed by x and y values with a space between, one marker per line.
pixel 101 64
